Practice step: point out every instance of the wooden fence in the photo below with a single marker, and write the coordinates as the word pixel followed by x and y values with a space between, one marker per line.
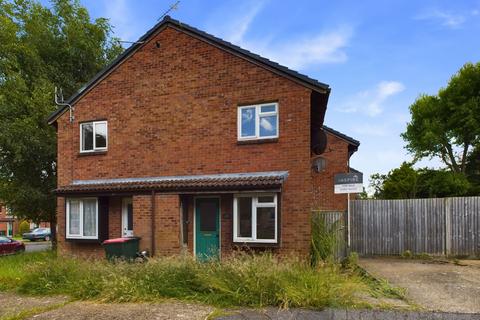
pixel 447 226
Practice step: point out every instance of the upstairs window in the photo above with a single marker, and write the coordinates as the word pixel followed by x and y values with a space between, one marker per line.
pixel 93 136
pixel 258 121
pixel 255 218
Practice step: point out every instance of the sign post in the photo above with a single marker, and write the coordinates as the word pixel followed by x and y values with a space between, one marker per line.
pixel 348 183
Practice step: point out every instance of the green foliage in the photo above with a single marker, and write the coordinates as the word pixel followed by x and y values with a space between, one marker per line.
pixel 40 48
pixel 325 239
pixel 447 125
pixel 407 254
pixel 399 183
pixel 24 227
pixel 473 171
pixel 407 182
pixel 241 280
pixel 351 261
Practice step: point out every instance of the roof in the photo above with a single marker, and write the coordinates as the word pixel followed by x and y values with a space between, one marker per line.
pixel 208 182
pixel 353 170
pixel 343 136
pixel 225 45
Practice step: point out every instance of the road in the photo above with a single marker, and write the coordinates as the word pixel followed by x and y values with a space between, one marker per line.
pixel 37 246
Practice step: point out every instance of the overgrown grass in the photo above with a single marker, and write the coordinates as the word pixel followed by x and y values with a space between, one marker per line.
pixel 243 280
pixel 327 238
pixel 13 268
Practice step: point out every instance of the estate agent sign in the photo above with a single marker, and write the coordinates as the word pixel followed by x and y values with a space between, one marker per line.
pixel 349 182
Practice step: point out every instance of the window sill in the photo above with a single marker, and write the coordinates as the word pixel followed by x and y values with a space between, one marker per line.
pixel 80 240
pixel 93 153
pixel 257 141
pixel 257 244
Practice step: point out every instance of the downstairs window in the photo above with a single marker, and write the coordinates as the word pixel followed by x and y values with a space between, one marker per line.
pixel 82 218
pixel 255 218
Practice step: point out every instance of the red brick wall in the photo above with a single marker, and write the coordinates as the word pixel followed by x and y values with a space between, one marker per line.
pixel 115 217
pixel 173 111
pixel 142 220
pixel 167 222
pixel 336 155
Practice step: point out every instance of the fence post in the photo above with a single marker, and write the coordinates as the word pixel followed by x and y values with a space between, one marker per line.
pixel 448 236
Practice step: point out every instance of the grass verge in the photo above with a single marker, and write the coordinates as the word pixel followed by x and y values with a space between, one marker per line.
pixel 243 280
pixel 25 314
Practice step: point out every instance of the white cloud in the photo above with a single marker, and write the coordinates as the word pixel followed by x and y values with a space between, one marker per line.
pixel 372 101
pixel 318 48
pixel 326 47
pixel 236 30
pixel 447 19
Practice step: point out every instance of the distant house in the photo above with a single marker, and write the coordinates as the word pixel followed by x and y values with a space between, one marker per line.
pixel 192 143
pixel 9 224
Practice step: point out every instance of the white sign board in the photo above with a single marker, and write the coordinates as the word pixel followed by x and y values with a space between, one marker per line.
pixel 349 182
pixel 349 188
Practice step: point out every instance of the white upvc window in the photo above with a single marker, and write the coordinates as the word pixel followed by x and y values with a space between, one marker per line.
pixel 82 218
pixel 255 218
pixel 257 121
pixel 93 136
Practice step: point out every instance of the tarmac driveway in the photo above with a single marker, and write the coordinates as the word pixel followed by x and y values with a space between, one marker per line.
pixel 434 285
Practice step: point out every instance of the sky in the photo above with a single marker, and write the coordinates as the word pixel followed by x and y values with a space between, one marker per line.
pixel 377 56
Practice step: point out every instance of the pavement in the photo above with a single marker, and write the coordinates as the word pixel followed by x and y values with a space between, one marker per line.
pixel 435 285
pixel 15 306
pixel 37 246
pixel 338 314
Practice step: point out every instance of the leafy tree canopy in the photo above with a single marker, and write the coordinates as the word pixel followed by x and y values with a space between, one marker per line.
pixel 407 182
pixel 40 48
pixel 447 125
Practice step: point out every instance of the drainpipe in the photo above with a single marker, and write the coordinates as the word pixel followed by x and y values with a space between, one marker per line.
pixel 153 224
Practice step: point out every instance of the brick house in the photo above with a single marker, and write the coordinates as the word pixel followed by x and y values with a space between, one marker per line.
pixel 10 225
pixel 192 143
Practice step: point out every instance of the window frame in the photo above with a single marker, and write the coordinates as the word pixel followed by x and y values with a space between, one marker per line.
pixel 67 219
pixel 95 149
pixel 255 205
pixel 258 116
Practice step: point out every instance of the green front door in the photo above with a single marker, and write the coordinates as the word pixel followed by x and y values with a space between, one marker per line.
pixel 207 223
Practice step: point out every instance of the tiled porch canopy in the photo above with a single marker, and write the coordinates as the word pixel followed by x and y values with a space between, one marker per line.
pixel 209 182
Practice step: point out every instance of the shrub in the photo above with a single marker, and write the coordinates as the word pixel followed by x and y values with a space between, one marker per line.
pixel 325 239
pixel 24 227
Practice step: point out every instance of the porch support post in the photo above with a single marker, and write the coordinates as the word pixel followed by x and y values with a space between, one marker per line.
pixel 153 224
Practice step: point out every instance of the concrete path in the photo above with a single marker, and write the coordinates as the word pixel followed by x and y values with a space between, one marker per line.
pixel 434 285
pixel 331 314
pixel 21 307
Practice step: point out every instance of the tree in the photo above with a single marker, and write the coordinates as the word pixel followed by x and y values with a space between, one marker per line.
pixel 407 182
pixel 41 48
pixel 447 125
pixel 399 183
pixel 473 170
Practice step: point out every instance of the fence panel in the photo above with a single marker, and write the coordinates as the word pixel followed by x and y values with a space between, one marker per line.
pixel 433 226
pixel 464 226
